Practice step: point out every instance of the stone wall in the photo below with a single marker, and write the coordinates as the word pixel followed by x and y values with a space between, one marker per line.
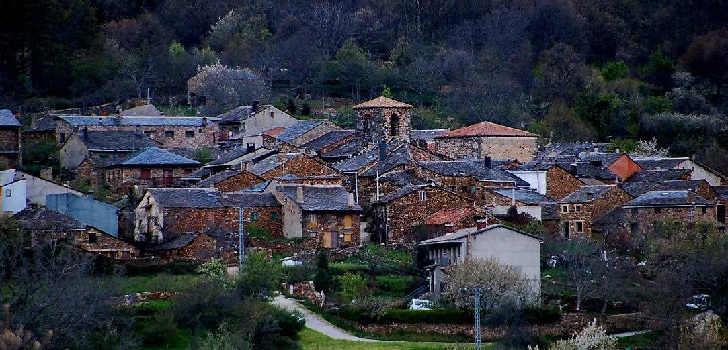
pixel 9 139
pixel 561 183
pixel 375 125
pixel 332 229
pixel 238 182
pixel 168 136
pixel 521 148
pixel 301 166
pixel 591 211
pixel 121 179
pixel 97 242
pixel 646 217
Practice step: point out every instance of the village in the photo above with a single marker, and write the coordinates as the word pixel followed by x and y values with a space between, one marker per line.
pixel 137 185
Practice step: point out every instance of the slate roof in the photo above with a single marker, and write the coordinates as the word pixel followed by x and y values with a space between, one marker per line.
pixel 198 174
pixel 613 217
pixel 600 159
pixel 454 236
pixel 236 114
pixel 569 149
pixel 382 102
pixel 637 188
pixel 320 198
pixel 186 197
pixel 296 130
pixel 659 175
pixel 240 155
pixel 403 191
pixel 486 129
pixel 45 124
pixel 399 156
pixel 667 199
pixel 549 211
pixel 116 140
pixel 721 191
pixel 178 242
pixel 154 156
pixel 39 218
pixel 345 150
pixel 270 163
pixel 217 178
pixel 426 135
pixel 327 139
pixel 474 168
pixel 590 171
pixel 261 187
pixel 583 194
pixel 659 163
pixel 401 179
pixel 137 121
pixel 250 199
pixel 524 196
pixel 145 111
pixel 7 118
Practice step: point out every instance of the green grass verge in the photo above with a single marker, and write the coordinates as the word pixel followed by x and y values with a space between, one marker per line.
pixel 156 283
pixel 645 340
pixel 312 340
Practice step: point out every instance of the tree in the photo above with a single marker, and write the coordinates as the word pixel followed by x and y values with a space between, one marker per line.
pixel 258 277
pixel 353 67
pixel 500 285
pixel 584 263
pixel 592 337
pixel 707 56
pixel 560 73
pixel 217 88
pixel 322 280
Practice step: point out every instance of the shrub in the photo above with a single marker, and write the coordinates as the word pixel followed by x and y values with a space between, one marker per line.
pixel 446 316
pixel 542 315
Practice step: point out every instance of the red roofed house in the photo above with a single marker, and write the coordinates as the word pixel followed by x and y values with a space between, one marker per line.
pixel 486 139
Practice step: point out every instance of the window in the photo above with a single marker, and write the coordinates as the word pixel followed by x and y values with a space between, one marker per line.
pixel 312 218
pixel 253 216
pixel 579 226
pixel 8 192
pixel 464 189
pixel 565 229
pixel 347 237
pixel 62 137
pixel 565 208
pixel 168 133
pixel 145 174
pixel 704 210
pixel 190 133
pixel 347 221
pixel 423 196
pixel 658 210
pixel 274 215
pixel 92 237
pixel 577 208
pixel 634 227
pixel 394 125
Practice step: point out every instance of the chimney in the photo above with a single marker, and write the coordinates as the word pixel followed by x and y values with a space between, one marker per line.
pixel 616 151
pixel 255 106
pixel 487 163
pixel 85 133
pixel 572 169
pixel 350 201
pixel 590 196
pixel 299 194
pixel 596 149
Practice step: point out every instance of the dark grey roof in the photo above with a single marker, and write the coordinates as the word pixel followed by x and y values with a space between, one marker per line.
pixel 345 150
pixel 296 130
pixel 38 218
pixel 178 242
pixel 460 234
pixel 115 140
pixel 399 156
pixel 722 192
pixel 659 163
pixel 327 139
pixel 590 171
pixel 241 153
pixel 524 196
pixel 615 216
pixel 659 175
pixel 237 114
pixel 138 121
pixel 667 199
pixel 320 198
pixel 154 156
pixel 357 162
pixel 250 199
pixel 271 163
pixel 198 174
pixel 637 188
pixel 600 159
pixel 426 135
pixel 549 211
pixel 401 179
pixel 261 187
pixel 572 149
pixel 186 197
pixel 7 118
pixel 586 194
pixel 217 178
pixel 537 165
pixel 403 191
pixel 45 124
pixel 475 168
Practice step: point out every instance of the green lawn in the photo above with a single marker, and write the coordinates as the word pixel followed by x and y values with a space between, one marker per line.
pixel 312 340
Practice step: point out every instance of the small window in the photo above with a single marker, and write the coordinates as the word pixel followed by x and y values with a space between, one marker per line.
pixel 577 208
pixel 168 133
pixel 658 210
pixel 634 227
pixel 464 189
pixel 253 216
pixel 62 137
pixel 312 218
pixel 8 192
pixel 423 196
pixel 347 221
pixel 453 188
pixel 145 174
pixel 274 215
pixel 580 227
pixel 564 208
pixel 190 133
pixel 704 210
pixel 92 237
pixel 347 237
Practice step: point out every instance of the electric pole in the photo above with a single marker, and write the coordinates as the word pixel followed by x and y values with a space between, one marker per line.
pixel 477 318
pixel 241 237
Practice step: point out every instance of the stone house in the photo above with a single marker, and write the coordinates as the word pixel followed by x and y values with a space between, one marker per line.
pixel 548 179
pixel 701 187
pixel 41 129
pixel 10 142
pixel 186 247
pixel 638 219
pixel 324 216
pixel 298 164
pixel 507 245
pixel 150 167
pixel 231 180
pixel 426 138
pixel 382 120
pixel 243 125
pixel 396 215
pixel 578 210
pixel 487 139
pixel 44 225
pixel 101 148
pixel 525 201
pixel 168 132
pixel 329 141
pixel 698 171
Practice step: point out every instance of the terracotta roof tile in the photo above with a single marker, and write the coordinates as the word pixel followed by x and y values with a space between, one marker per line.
pixel 485 129
pixel 448 215
pixel 382 102
pixel 275 131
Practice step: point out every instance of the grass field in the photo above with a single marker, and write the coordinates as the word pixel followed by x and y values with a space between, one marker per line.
pixel 312 340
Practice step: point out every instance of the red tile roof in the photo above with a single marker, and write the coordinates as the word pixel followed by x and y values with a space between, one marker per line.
pixel 486 129
pixel 275 131
pixel 448 215
pixel 382 102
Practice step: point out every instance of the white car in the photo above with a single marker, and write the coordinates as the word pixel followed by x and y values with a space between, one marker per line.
pixel 420 304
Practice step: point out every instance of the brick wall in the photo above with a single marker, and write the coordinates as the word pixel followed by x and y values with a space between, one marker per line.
pixel 332 229
pixel 560 183
pixel 399 217
pixel 521 148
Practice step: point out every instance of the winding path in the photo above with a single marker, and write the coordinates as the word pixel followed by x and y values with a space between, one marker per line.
pixel 315 322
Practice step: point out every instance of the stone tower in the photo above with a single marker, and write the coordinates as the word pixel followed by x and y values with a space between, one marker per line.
pixel 382 119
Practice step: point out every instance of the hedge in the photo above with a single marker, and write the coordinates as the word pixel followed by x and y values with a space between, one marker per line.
pixel 445 316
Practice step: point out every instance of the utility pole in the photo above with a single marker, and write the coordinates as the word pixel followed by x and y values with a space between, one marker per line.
pixel 477 318
pixel 241 237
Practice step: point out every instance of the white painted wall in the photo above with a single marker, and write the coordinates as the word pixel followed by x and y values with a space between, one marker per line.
pixel 36 188
pixel 536 179
pixel 700 173
pixel 12 197
pixel 533 210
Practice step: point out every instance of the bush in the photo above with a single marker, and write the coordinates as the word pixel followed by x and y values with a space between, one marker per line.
pixel 396 284
pixel 147 268
pixel 159 330
pixel 301 273
pixel 542 315
pixel 446 316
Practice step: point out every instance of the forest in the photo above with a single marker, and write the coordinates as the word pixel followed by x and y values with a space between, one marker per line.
pixel 609 71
